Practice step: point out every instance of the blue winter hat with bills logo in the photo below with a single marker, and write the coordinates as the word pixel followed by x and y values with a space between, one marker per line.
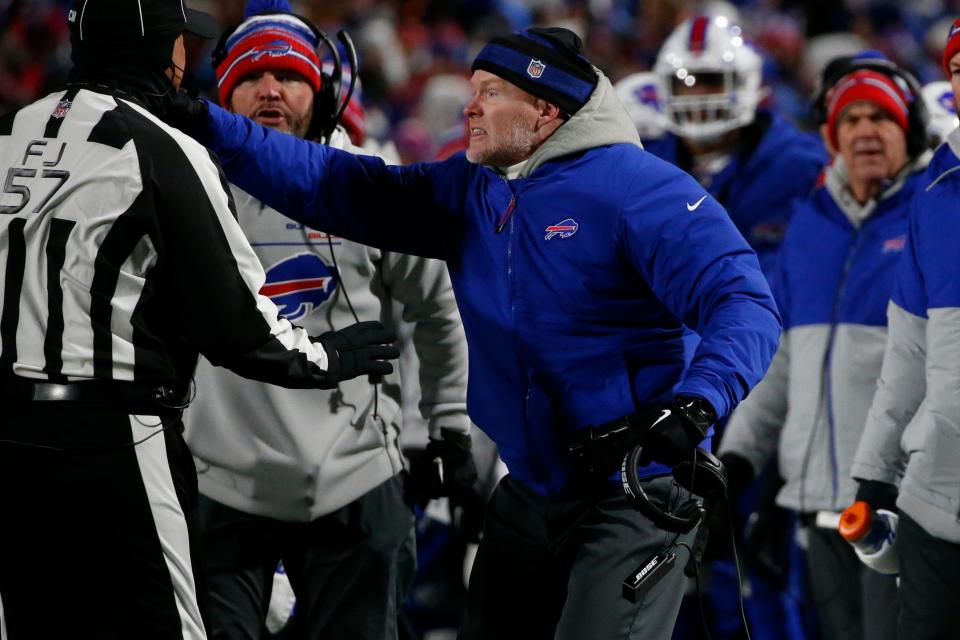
pixel 546 62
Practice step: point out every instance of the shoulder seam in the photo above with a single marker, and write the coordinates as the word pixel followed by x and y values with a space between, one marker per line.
pixel 941 177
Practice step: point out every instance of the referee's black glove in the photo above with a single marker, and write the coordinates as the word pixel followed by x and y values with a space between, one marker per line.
pixel 360 349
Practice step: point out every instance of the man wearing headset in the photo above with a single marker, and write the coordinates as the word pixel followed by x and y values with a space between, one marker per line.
pixel 835 275
pixel 315 479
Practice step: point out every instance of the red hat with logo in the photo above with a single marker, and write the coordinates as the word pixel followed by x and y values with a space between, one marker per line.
pixel 270 38
pixel 871 86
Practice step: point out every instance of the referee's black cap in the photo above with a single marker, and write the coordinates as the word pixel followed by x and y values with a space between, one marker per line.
pixel 132 30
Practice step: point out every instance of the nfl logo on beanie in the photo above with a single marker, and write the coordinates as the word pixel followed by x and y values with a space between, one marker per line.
pixel 535 68
pixel 546 62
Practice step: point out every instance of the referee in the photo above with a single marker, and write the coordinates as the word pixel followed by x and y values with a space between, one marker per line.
pixel 120 261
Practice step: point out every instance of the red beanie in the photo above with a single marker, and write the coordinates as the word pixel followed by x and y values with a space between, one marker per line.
pixel 874 87
pixel 952 47
pixel 272 42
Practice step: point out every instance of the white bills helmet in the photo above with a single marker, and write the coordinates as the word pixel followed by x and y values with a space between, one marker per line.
pixel 938 97
pixel 642 96
pixel 711 50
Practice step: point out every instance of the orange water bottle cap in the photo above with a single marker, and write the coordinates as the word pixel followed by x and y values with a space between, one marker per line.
pixel 855 521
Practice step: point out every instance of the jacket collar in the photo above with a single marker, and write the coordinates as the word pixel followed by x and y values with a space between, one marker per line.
pixel 838 186
pixel 601 121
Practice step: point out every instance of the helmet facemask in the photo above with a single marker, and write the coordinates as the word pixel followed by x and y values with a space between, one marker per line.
pixel 711 86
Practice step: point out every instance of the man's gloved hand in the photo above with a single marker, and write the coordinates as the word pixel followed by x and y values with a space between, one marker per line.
pixel 445 468
pixel 188 113
pixel 668 434
pixel 766 533
pixel 359 349
pixel 877 494
pixel 678 430
pixel 739 474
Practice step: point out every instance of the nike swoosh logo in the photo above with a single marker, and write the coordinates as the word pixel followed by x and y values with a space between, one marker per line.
pixel 664 413
pixel 693 207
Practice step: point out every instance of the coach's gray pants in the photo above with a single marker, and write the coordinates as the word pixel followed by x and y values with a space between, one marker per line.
pixel 553 567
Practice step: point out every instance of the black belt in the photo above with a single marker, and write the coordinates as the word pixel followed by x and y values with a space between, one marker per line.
pixel 101 392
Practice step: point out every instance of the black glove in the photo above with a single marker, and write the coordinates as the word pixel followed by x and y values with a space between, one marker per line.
pixel 189 114
pixel 445 468
pixel 668 433
pixel 877 494
pixel 359 349
pixel 739 475
pixel 766 533
pixel 678 430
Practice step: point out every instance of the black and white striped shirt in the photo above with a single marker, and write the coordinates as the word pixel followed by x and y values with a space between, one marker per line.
pixel 121 257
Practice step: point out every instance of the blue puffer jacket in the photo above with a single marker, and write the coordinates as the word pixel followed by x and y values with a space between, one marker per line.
pixel 912 437
pixel 575 282
pixel 773 165
pixel 837 271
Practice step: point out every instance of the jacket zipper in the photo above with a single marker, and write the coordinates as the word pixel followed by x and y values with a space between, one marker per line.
pixel 507 214
pixel 828 363
pixel 507 218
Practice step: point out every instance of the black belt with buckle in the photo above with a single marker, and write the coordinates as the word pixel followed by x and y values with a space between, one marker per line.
pixel 96 392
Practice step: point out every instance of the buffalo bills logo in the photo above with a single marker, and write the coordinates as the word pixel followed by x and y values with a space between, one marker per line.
pixel 947 102
pixel 953 31
pixel 275 49
pixel 563 229
pixel 299 284
pixel 62 108
pixel 894 245
pixel 647 94
pixel 535 68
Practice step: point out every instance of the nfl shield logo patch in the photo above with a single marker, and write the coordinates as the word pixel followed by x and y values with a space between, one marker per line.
pixel 62 108
pixel 535 68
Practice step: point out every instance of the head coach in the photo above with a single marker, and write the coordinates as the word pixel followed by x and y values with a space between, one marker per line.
pixel 582 266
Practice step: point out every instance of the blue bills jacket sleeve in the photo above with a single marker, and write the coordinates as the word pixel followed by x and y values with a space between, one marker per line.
pixel 701 268
pixel 415 206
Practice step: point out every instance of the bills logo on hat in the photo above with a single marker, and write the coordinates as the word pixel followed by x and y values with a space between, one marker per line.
pixel 563 229
pixel 535 68
pixel 299 284
pixel 954 29
pixel 275 48
pixel 62 108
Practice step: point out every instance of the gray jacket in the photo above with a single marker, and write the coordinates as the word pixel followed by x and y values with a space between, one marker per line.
pixel 296 455
pixel 912 435
pixel 838 263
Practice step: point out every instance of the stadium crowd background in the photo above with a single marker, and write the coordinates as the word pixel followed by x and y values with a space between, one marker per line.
pixel 414 54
